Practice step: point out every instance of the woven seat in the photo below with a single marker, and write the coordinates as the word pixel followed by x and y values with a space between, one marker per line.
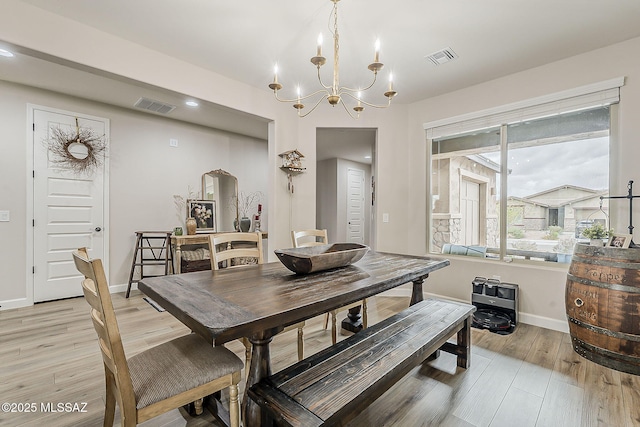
pixel 162 378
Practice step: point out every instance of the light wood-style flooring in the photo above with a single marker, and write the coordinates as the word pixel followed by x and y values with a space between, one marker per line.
pixel 49 355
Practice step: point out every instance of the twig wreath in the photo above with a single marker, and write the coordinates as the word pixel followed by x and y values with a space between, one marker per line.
pixel 79 151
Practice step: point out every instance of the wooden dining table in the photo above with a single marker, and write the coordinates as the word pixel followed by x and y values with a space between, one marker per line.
pixel 258 301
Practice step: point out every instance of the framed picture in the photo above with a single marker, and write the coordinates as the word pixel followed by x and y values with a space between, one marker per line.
pixel 204 212
pixel 619 241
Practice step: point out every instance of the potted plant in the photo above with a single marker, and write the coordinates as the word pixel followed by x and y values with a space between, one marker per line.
pixel 596 233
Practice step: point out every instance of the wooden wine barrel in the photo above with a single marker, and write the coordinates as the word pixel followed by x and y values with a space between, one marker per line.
pixel 602 299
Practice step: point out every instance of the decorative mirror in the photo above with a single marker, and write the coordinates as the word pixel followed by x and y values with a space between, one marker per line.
pixel 221 186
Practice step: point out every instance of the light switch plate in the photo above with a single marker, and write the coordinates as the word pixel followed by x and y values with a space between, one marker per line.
pixel 385 217
pixel 173 142
pixel 4 216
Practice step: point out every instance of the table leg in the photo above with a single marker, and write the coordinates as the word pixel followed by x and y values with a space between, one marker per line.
pixel 416 295
pixel 178 259
pixel 353 321
pixel 260 368
pixel 464 344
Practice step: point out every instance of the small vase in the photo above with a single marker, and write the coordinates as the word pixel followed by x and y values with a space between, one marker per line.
pixel 191 226
pixel 245 224
pixel 596 242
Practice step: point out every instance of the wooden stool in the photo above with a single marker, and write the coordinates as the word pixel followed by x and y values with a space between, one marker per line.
pixel 152 248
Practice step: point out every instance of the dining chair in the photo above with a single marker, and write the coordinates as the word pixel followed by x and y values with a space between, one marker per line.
pixel 237 249
pixel 306 238
pixel 159 379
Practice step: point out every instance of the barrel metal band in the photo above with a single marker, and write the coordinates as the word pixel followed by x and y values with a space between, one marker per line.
pixel 620 362
pixel 588 260
pixel 615 287
pixel 603 331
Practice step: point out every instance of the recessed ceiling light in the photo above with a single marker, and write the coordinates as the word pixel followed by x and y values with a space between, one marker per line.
pixel 192 103
pixel 367 157
pixel 4 52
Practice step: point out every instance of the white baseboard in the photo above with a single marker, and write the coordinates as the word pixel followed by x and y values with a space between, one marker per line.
pixel 544 322
pixel 122 288
pixel 15 303
pixel 529 319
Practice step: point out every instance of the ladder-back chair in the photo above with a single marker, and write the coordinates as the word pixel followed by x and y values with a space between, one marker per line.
pixel 304 238
pixel 238 249
pixel 162 378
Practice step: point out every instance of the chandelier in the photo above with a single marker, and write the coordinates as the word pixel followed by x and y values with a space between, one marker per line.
pixel 334 93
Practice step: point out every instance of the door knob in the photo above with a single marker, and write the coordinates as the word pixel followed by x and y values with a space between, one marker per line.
pixel 98 229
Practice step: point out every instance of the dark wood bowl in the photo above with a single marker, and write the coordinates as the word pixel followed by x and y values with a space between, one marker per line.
pixel 322 257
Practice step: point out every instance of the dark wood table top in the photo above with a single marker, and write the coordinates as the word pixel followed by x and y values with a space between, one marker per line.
pixel 232 303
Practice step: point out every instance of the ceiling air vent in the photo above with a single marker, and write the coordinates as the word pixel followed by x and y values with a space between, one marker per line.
pixel 155 106
pixel 442 56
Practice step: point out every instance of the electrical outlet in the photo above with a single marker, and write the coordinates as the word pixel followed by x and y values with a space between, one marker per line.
pixel 173 142
pixel 385 217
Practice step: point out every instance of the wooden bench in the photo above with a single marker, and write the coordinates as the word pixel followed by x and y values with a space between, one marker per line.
pixel 336 384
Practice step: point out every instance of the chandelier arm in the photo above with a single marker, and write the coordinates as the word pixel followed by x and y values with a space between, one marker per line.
pixel 368 103
pixel 322 91
pixel 347 110
pixel 314 107
pixel 361 90
pixel 321 83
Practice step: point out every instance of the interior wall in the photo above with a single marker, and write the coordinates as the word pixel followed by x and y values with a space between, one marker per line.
pixel 145 173
pixel 326 200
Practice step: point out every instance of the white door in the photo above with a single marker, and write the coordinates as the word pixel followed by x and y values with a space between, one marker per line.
pixel 355 205
pixel 470 212
pixel 68 208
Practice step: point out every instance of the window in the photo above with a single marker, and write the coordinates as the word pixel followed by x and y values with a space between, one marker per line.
pixel 521 188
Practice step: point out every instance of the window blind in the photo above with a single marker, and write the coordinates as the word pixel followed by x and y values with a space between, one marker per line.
pixel 584 97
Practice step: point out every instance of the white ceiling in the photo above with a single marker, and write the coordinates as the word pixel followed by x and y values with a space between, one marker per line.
pixel 244 39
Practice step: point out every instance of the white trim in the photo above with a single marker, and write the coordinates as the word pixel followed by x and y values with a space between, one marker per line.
pixel 29 282
pixel 114 289
pixel 29 210
pixel 15 303
pixel 544 322
pixel 594 94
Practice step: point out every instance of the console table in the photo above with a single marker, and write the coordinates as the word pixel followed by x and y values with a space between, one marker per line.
pixel 189 239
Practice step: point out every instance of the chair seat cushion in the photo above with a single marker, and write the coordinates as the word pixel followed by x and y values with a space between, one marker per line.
pixel 177 366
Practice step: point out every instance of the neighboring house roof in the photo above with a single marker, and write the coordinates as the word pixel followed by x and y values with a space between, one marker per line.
pixel 595 195
pixel 562 187
pixel 527 201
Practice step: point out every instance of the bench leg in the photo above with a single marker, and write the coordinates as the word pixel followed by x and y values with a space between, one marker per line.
pixel 464 344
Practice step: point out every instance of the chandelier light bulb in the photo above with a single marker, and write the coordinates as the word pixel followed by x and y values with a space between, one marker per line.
pixel 390 81
pixel 319 45
pixel 376 57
